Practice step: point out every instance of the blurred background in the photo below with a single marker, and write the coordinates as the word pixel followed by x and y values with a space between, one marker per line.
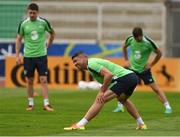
pixel 97 27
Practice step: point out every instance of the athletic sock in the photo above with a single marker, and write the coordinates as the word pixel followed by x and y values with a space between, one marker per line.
pixel 140 121
pixel 46 102
pixel 31 101
pixel 82 122
pixel 120 105
pixel 167 106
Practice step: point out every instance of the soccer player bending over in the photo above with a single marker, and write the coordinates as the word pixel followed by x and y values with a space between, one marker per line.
pixel 117 82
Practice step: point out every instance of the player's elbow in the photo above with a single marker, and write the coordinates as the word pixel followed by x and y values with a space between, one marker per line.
pixel 53 35
pixel 124 47
pixel 160 54
pixel 110 76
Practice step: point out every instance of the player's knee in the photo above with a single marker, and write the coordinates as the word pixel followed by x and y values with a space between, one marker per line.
pixel 30 81
pixel 43 81
pixel 122 98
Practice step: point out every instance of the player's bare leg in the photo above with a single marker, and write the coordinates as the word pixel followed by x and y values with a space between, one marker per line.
pixel 30 93
pixel 162 97
pixel 93 111
pixel 132 110
pixel 43 81
pixel 96 107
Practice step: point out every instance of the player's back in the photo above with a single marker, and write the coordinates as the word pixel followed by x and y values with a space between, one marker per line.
pixel 115 69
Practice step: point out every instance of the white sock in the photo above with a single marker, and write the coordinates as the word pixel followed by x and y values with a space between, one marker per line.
pixel 167 106
pixel 46 102
pixel 140 121
pixel 82 122
pixel 31 101
pixel 120 105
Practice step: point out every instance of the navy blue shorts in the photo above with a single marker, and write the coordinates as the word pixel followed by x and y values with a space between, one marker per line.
pixel 146 76
pixel 125 84
pixel 39 63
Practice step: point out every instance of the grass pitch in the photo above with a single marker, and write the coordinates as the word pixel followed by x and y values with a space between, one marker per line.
pixel 70 106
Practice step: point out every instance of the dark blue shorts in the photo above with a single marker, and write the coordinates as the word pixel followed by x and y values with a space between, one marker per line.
pixel 31 64
pixel 146 76
pixel 125 84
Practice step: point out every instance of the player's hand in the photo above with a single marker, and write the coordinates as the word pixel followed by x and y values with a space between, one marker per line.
pixel 148 66
pixel 18 60
pixel 47 45
pixel 100 97
pixel 127 64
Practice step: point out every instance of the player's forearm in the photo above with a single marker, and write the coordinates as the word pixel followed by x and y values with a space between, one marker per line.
pixel 156 59
pixel 51 39
pixel 18 46
pixel 125 52
pixel 106 82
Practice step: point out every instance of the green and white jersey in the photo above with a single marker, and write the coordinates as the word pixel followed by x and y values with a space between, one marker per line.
pixel 95 65
pixel 140 52
pixel 34 35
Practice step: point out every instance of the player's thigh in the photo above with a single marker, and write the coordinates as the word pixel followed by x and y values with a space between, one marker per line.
pixel 125 84
pixel 147 77
pixel 155 87
pixel 29 67
pixel 123 97
pixel 41 64
pixel 109 95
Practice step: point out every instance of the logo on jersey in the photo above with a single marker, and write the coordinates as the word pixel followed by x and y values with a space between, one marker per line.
pixel 137 54
pixel 34 35
pixel 40 26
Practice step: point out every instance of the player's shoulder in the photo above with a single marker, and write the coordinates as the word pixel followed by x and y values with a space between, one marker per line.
pixel 147 38
pixel 24 21
pixel 94 60
pixel 41 19
pixel 150 42
pixel 129 38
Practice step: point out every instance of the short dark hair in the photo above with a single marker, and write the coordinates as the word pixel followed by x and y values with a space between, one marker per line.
pixel 137 31
pixel 33 6
pixel 77 54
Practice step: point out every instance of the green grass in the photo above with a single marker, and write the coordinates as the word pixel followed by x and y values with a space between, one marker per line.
pixel 70 107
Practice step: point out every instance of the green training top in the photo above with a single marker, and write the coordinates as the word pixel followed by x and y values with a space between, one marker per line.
pixel 34 34
pixel 140 52
pixel 95 65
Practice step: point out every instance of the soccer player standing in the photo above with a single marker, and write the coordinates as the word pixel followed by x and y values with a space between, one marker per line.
pixel 117 82
pixel 141 47
pixel 33 31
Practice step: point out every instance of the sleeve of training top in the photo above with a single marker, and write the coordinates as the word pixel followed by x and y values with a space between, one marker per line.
pixel 48 26
pixel 21 29
pixel 128 41
pixel 153 45
pixel 94 66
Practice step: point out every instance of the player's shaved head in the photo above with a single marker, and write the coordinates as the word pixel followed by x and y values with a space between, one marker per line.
pixel 78 54
pixel 80 60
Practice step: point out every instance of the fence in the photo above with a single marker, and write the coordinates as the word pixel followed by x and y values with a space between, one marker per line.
pixel 104 21
pixel 91 21
pixel 11 13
